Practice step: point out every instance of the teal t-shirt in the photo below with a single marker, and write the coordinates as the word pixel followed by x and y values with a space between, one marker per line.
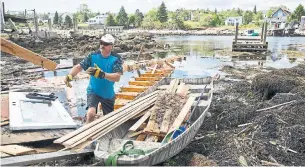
pixel 112 64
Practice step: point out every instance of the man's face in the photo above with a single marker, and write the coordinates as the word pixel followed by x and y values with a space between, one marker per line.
pixel 106 46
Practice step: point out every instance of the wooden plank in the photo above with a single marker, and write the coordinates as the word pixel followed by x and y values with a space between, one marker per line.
pixel 186 108
pixel 147 79
pixel 191 87
pixel 169 64
pixel 4 106
pixel 45 157
pixel 16 50
pixel 153 75
pixel 4 123
pixel 248 39
pixel 3 155
pixel 107 125
pixel 81 145
pixel 173 86
pixel 135 103
pixel 32 136
pixel 135 127
pixel 249 49
pixel 4 119
pixel 134 134
pixel 141 137
pixel 134 89
pixel 126 95
pixel 154 70
pixel 142 83
pixel 120 102
pixel 165 122
pixel 16 150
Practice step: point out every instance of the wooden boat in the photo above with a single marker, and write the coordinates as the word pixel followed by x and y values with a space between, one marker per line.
pixel 157 152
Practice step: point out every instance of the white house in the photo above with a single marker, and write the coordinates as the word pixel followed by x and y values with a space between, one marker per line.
pixel 302 23
pixel 99 19
pixel 234 20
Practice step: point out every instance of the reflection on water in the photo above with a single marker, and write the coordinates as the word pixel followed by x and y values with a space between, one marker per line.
pixel 203 58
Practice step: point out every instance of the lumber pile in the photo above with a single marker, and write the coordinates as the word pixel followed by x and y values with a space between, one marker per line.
pixel 171 108
pixel 84 136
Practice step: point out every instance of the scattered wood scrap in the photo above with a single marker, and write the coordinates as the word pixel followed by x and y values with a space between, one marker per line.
pixel 16 150
pixel 84 136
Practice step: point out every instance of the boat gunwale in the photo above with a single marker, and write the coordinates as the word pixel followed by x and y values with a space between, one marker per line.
pixel 165 81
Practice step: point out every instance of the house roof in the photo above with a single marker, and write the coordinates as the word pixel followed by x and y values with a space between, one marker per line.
pixel 284 10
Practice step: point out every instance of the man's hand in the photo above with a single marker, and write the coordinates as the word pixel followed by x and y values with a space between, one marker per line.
pixel 68 79
pixel 96 72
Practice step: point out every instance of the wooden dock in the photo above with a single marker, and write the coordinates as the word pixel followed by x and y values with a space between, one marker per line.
pixel 251 44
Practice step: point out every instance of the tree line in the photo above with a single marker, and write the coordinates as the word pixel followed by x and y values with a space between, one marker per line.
pixel 160 18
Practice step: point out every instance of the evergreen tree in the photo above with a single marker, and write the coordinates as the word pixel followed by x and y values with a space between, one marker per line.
pixel 110 20
pixel 138 18
pixel 254 10
pixel 162 13
pixel 122 18
pixel 68 21
pixel 86 18
pixel 55 20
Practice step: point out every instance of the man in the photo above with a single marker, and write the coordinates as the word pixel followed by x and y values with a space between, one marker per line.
pixel 104 68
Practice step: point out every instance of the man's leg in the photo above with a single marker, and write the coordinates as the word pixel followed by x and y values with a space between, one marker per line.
pixel 107 105
pixel 92 102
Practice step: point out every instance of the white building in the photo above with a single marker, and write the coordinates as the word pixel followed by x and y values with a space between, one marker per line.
pixel 99 19
pixel 302 23
pixel 234 20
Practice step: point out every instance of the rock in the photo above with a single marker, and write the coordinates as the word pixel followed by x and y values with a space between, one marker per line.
pixel 201 160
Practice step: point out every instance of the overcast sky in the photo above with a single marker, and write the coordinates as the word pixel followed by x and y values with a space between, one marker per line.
pixel 46 6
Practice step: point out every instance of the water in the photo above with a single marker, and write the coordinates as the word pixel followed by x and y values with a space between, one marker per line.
pixel 202 59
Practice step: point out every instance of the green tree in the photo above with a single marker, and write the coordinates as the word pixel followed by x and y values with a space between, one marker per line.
pixel 247 17
pixel 254 10
pixel 239 12
pixel 68 21
pixel 258 17
pixel 86 18
pixel 60 20
pixel 150 19
pixel 122 18
pixel 110 20
pixel 138 18
pixel 132 20
pixel 162 13
pixel 55 20
pixel 215 11
pixel 298 13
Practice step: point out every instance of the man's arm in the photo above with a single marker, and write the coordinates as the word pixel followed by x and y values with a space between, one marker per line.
pixel 114 77
pixel 75 70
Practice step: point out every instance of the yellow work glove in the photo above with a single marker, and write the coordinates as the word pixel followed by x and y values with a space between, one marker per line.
pixel 68 79
pixel 95 71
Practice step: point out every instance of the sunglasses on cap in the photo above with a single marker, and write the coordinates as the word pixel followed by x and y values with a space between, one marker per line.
pixel 105 43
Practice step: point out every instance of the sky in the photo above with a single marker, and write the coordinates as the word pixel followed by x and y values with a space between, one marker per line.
pixel 46 6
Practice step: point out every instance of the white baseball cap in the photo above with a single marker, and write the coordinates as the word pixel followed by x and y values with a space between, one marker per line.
pixel 108 39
